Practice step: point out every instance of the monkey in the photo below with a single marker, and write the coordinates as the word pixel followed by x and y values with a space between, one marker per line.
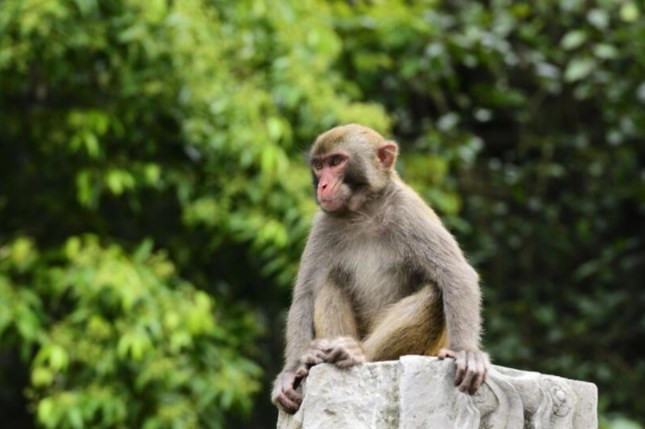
pixel 380 275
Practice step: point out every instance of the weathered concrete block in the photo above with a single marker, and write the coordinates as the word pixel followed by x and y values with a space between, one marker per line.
pixel 419 392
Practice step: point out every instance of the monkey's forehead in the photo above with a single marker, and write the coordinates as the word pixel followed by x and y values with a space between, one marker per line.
pixel 345 135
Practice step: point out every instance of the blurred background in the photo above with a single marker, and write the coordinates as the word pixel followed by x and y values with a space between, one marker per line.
pixel 154 196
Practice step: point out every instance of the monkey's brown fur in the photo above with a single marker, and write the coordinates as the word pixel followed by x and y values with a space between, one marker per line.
pixel 379 278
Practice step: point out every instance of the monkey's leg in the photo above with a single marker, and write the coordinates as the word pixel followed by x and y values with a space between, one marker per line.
pixel 413 325
pixel 334 314
pixel 335 331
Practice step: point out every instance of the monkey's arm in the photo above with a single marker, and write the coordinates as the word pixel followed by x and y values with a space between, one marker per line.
pixel 300 325
pixel 459 286
pixel 444 264
pixel 299 334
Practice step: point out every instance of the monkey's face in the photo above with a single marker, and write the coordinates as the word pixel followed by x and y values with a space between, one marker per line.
pixel 349 163
pixel 330 173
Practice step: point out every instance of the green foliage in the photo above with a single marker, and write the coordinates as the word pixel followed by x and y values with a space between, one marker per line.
pixel 154 200
pixel 121 340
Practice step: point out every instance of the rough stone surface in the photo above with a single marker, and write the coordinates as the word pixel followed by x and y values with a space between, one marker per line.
pixel 419 392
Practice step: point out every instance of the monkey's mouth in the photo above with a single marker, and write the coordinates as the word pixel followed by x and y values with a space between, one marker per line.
pixel 331 204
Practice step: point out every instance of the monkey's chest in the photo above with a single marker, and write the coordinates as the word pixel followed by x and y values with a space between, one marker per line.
pixel 374 276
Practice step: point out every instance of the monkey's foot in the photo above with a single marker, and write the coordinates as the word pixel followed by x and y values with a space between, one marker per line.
pixel 344 352
pixel 472 368
pixel 340 351
pixel 315 354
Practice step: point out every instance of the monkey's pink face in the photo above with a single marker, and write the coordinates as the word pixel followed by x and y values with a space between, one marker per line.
pixel 329 173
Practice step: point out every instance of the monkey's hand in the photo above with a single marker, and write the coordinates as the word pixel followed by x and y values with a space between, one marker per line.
pixel 284 393
pixel 472 368
pixel 340 351
pixel 344 352
pixel 315 354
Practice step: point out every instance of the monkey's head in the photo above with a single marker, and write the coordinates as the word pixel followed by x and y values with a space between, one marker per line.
pixel 350 164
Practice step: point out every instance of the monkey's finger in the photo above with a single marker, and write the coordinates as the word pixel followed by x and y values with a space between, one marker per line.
pixel 478 380
pixel 350 361
pixel 293 395
pixel 486 368
pixel 301 373
pixel 476 383
pixel 484 363
pixel 287 396
pixel 446 353
pixel 337 354
pixel 470 373
pixel 321 355
pixel 313 358
pixel 460 361
pixel 287 404
pixel 345 363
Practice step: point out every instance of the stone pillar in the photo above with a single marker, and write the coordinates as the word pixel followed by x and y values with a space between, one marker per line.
pixel 419 392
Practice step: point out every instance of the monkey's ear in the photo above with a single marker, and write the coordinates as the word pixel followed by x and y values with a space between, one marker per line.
pixel 387 153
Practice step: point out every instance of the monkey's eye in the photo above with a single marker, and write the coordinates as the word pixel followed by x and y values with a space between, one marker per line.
pixel 317 165
pixel 336 160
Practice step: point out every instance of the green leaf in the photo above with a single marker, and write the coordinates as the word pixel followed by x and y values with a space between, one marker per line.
pixel 275 128
pixel 629 12
pixel 605 51
pixel 599 18
pixel 41 376
pixel 578 69
pixel 46 412
pixel 573 39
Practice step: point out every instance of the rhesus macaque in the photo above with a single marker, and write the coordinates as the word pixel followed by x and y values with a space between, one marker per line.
pixel 380 276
